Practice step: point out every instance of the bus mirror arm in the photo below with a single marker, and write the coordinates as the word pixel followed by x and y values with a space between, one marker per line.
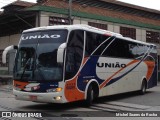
pixel 6 50
pixel 60 53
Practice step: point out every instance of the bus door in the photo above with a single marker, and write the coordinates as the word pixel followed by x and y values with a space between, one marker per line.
pixel 74 57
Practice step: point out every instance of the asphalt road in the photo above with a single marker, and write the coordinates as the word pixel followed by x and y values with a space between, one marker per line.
pixel 104 107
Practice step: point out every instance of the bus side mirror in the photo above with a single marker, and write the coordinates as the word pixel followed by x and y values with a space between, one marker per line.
pixel 6 50
pixel 60 53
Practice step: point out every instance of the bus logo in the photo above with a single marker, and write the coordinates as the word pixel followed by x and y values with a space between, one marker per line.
pixel 46 36
pixel 111 65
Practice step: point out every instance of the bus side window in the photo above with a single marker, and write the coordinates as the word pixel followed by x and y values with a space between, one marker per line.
pixel 93 40
pixel 74 53
pixel 121 49
pixel 141 49
pixel 132 50
pixel 90 43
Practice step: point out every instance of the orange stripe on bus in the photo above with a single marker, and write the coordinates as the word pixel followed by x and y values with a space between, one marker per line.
pixel 85 60
pixel 106 81
pixel 71 91
pixel 150 70
pixel 19 84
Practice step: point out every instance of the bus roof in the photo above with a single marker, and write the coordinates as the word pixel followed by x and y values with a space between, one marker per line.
pixel 86 28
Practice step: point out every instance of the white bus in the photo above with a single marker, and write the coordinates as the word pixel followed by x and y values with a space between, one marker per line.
pixel 59 64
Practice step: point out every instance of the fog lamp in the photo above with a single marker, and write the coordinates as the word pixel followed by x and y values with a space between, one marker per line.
pixel 57 98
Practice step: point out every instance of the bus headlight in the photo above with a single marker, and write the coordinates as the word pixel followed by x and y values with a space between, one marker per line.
pixel 55 90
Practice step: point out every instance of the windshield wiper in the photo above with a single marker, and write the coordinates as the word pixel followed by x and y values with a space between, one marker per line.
pixel 28 63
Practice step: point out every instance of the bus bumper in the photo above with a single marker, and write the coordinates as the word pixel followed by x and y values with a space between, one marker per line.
pixel 55 97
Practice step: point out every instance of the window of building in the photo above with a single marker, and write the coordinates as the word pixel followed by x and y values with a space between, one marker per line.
pixel 1 64
pixel 98 25
pixel 152 37
pixel 58 21
pixel 128 32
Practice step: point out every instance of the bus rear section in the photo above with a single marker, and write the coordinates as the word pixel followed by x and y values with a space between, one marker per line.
pixel 114 64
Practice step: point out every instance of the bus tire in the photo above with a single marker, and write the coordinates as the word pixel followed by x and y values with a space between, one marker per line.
pixel 90 96
pixel 143 87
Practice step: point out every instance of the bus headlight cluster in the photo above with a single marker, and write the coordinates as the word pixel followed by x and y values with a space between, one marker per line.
pixel 55 90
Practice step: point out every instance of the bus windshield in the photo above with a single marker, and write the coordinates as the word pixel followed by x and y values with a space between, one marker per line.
pixel 36 59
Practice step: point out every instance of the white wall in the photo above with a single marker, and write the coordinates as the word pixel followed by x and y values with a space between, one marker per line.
pixel 76 21
pixel 5 42
pixel 116 29
pixel 9 40
pixel 111 27
pixel 44 19
pixel 139 34
pixel 84 22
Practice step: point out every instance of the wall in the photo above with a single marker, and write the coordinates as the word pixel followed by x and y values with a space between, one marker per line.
pixel 5 42
pixel 9 40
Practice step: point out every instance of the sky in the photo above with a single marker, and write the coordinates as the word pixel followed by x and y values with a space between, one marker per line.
pixel 153 4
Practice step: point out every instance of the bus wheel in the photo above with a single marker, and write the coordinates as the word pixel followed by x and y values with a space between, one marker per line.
pixel 90 96
pixel 143 87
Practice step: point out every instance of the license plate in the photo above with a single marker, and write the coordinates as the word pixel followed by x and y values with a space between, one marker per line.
pixel 32 97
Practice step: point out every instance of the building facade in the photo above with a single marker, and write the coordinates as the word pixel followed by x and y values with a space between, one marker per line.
pixel 132 21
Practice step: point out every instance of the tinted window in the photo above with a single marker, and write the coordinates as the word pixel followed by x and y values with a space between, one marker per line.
pixel 132 49
pixel 36 57
pixel 93 40
pixel 121 48
pixel 141 49
pixel 153 53
pixel 74 53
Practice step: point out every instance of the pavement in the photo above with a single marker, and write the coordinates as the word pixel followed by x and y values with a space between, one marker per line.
pixel 7 86
pixel 8 98
pixel 6 79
